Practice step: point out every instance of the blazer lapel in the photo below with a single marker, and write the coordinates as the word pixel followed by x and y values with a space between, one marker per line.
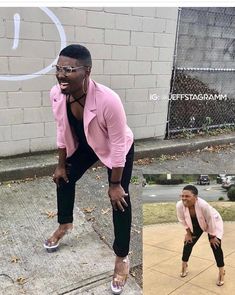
pixel 90 106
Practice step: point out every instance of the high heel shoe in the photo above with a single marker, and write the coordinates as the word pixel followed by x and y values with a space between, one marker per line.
pixel 184 272
pixel 219 281
pixel 52 246
pixel 120 278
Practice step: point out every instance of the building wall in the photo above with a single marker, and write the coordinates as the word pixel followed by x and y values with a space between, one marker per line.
pixel 132 50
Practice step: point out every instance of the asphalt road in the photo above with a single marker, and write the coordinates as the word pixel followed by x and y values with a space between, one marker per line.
pixel 170 193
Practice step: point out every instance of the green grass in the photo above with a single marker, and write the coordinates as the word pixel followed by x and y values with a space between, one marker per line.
pixel 166 212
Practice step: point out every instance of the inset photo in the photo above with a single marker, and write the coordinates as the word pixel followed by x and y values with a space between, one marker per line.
pixel 188 233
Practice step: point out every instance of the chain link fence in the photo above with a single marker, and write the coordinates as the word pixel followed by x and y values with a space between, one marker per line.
pixel 202 87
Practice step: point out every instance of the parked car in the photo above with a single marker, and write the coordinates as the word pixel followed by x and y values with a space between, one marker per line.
pixel 229 181
pixel 203 179
pixel 220 178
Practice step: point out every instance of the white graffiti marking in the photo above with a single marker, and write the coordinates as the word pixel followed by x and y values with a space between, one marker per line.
pixel 17 30
pixel 48 68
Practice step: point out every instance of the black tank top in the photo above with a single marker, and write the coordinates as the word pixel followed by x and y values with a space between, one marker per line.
pixel 78 128
pixel 195 222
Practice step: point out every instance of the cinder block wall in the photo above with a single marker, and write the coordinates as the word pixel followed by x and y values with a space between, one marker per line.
pixel 132 50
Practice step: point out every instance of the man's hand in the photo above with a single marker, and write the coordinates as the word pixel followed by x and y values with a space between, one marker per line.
pixel 215 242
pixel 188 238
pixel 60 173
pixel 116 194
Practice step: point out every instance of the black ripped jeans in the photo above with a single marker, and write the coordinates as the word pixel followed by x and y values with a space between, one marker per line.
pixel 77 164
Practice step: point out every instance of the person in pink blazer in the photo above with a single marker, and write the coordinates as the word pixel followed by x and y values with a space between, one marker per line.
pixel 197 216
pixel 91 126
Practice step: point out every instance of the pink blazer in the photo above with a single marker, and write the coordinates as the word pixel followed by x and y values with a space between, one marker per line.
pixel 105 124
pixel 208 218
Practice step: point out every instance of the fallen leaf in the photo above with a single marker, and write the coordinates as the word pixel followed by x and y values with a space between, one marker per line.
pixel 91 218
pixel 137 231
pixel 133 273
pixel 51 214
pixel 88 210
pixel 15 259
pixel 93 169
pixel 5 232
pixel 105 211
pixel 144 161
pixel 21 280
pixel 98 177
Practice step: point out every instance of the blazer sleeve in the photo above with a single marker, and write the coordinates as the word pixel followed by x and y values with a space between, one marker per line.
pixel 209 218
pixel 58 118
pixel 115 119
pixel 180 214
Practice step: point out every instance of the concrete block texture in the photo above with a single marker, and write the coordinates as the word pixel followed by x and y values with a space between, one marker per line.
pixel 9 148
pixel 115 67
pixel 136 120
pixel 127 22
pixel 4 69
pixel 37 115
pixel 24 99
pixel 24 65
pixel 44 143
pixel 142 38
pixel 100 20
pixel 154 25
pixel 137 94
pixel 147 53
pixel 145 81
pixel 99 51
pixel 89 35
pixel 119 10
pixel 139 67
pixel 27 131
pixel 117 37
pixel 131 49
pixel 122 81
pixel 72 16
pixel 144 11
pixel 2 28
pixel 11 116
pixel 167 12
pixel 31 31
pixel 5 133
pixel 3 100
pixel 124 52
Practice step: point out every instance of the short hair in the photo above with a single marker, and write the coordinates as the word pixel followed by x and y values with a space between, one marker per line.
pixel 78 52
pixel 191 188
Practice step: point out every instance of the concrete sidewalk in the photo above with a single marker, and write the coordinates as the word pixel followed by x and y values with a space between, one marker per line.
pixel 83 264
pixel 24 225
pixel 162 262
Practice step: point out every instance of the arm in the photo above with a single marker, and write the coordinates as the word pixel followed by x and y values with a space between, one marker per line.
pixel 181 218
pixel 210 220
pixel 180 214
pixel 115 119
pixel 60 171
pixel 116 191
pixel 208 214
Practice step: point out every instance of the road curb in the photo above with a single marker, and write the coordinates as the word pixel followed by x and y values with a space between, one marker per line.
pixel 38 165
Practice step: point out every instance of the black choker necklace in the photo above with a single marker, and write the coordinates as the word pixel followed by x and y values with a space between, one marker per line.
pixel 77 99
